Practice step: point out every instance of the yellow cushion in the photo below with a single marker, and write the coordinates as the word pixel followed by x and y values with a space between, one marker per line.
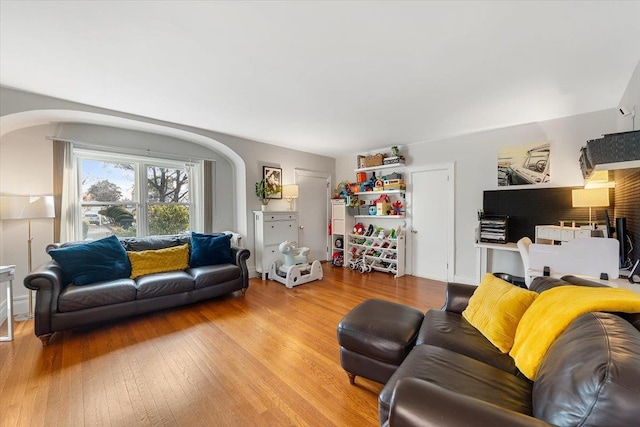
pixel 554 311
pixel 159 261
pixel 495 309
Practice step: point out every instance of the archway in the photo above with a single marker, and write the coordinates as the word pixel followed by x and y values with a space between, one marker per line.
pixel 25 119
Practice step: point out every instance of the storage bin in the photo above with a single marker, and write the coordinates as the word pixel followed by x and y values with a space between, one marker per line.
pixel 375 160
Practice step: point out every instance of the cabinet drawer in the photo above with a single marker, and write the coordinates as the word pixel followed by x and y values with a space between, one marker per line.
pixel 543 232
pixel 271 254
pixel 278 217
pixel 583 233
pixel 279 231
pixel 567 235
pixel 337 212
pixel 555 234
pixel 338 226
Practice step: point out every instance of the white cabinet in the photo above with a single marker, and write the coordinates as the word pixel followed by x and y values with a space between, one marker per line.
pixel 548 234
pixel 341 226
pixel 271 229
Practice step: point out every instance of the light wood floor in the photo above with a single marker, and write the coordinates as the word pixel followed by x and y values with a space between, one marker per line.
pixel 269 358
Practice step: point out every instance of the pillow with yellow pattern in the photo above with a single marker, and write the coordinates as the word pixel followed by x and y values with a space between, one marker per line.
pixel 159 260
pixel 495 309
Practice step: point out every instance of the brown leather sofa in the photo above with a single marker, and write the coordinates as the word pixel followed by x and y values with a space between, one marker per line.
pixel 61 306
pixel 454 376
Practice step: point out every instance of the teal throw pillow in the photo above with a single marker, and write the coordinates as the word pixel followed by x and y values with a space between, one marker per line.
pixel 210 249
pixel 101 260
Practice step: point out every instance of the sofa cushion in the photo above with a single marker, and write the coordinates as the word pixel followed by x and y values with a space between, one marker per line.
pixel 210 249
pixel 590 374
pixel 159 260
pixel 97 294
pixel 161 284
pixel 97 261
pixel 150 243
pixel 460 374
pixel 453 332
pixel 495 309
pixel 211 275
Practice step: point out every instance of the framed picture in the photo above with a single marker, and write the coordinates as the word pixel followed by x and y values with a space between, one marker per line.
pixel 524 164
pixel 273 179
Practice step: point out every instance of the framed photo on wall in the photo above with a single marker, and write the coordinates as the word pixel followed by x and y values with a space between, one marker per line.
pixel 273 179
pixel 524 164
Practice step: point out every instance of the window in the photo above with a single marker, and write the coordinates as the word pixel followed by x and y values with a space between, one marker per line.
pixel 134 196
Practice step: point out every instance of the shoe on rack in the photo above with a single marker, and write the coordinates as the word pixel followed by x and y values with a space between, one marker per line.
pixel 369 230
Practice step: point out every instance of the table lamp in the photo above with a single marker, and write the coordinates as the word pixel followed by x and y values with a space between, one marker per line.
pixel 590 198
pixel 290 192
pixel 27 207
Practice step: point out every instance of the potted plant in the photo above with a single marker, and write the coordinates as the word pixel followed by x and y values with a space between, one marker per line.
pixel 264 192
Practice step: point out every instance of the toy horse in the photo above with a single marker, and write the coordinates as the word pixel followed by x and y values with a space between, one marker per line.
pixel 296 269
pixel 293 256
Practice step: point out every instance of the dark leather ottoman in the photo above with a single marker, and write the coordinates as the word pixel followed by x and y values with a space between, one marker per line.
pixel 375 337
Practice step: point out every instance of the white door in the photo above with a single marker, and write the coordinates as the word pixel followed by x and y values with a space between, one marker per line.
pixel 432 219
pixel 313 212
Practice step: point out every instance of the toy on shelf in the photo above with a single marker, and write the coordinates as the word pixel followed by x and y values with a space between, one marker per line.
pixel 296 269
pixel 397 207
pixel 343 190
pixel 359 229
pixel 337 260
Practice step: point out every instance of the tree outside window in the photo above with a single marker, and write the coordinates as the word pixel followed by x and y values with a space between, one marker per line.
pixel 111 204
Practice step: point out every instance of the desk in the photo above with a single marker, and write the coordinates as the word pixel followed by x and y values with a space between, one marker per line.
pixel 482 255
pixel 6 275
pixel 622 282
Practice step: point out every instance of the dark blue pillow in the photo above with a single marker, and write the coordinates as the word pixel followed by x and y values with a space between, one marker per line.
pixel 207 249
pixel 104 259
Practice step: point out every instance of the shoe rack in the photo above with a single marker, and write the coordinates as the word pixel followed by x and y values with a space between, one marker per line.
pixel 377 249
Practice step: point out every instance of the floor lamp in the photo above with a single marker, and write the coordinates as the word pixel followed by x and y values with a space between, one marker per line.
pixel 27 207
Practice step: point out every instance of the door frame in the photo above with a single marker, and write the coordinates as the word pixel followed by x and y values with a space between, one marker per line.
pixel 297 173
pixel 449 167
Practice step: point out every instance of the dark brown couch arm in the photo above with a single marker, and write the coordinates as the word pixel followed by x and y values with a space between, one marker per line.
pixel 46 280
pixel 457 297
pixel 420 403
pixel 240 256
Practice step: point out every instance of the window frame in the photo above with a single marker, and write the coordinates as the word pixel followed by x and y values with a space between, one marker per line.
pixel 140 197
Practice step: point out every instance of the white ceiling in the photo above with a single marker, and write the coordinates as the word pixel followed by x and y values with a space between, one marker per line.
pixel 326 77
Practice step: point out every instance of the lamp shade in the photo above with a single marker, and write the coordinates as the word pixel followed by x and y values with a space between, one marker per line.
pixel 26 207
pixel 290 191
pixel 590 198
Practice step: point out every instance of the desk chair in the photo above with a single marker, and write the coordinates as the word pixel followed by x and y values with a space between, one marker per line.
pixel 523 247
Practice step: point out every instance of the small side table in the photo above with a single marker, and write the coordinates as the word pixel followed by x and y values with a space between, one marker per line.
pixel 7 274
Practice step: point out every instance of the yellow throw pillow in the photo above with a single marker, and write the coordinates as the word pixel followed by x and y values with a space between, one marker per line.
pixel 495 309
pixel 158 261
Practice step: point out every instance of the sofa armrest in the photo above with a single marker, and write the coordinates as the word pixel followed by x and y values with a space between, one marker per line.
pixel 457 297
pixel 46 280
pixel 420 403
pixel 240 256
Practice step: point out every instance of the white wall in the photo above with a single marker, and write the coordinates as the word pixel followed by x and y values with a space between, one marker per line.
pixel 631 99
pixel 476 156
pixel 26 167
